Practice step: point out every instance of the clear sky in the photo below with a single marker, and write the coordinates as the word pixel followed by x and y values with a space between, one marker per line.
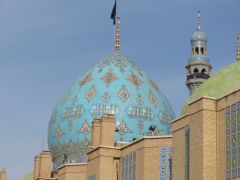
pixel 47 44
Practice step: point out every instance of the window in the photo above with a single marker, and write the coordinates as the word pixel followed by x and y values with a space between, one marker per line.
pixel 195 70
pixel 197 50
pixel 202 51
pixel 203 71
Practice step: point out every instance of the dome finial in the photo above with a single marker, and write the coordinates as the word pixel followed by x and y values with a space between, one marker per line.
pixel 199 21
pixel 238 48
pixel 117 35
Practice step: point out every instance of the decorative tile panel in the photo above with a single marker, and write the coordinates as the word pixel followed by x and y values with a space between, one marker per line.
pixel 238 136
pixel 140 112
pixel 228 143
pixel 74 112
pixel 85 129
pixel 91 93
pixel 109 77
pixel 134 80
pixel 163 163
pixel 106 97
pixel 234 140
pixel 128 169
pixel 85 80
pixel 123 93
pixel 58 132
pixel 153 99
pixel 166 163
pixel 100 109
pixel 123 128
pixel 140 100
pixel 170 163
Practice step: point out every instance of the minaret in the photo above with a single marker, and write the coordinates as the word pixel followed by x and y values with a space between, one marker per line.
pixel 198 67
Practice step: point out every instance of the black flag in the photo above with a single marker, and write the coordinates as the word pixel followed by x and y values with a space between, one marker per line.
pixel 114 12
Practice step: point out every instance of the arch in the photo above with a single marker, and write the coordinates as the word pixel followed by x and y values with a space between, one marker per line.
pixel 197 50
pixel 202 51
pixel 195 70
pixel 204 71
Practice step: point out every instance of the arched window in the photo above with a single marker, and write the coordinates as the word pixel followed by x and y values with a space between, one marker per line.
pixel 197 50
pixel 195 71
pixel 202 51
pixel 203 71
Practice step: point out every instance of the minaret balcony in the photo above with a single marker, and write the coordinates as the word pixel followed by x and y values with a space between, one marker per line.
pixel 197 76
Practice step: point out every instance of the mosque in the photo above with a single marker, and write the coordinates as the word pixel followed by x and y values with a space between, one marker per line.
pixel 115 123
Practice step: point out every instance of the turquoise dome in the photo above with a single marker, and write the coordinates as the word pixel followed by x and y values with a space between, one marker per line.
pixel 199 36
pixel 114 85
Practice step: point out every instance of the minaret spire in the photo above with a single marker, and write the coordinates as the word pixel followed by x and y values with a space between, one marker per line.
pixel 199 21
pixel 117 35
pixel 238 48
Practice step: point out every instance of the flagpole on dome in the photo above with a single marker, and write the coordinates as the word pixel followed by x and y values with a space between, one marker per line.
pixel 116 23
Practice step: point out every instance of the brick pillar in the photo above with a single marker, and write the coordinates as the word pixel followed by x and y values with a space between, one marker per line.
pixel 3 175
pixel 36 167
pixel 45 164
pixel 96 132
pixel 107 131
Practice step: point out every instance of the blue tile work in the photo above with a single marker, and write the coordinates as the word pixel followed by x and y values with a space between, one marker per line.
pixel 170 163
pixel 114 85
pixel 228 143
pixel 234 140
pixel 128 169
pixel 165 163
pixel 187 153
pixel 92 177
pixel 238 136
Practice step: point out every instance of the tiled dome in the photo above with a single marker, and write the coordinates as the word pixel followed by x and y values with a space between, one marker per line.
pixel 117 86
